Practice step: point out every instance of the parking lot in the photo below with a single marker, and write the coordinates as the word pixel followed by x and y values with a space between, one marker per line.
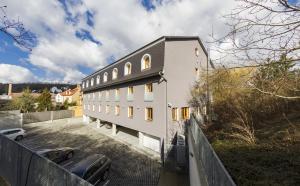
pixel 129 167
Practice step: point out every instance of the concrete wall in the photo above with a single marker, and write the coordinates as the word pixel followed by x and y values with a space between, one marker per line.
pixel 180 64
pixel 10 119
pixel 20 166
pixel 33 117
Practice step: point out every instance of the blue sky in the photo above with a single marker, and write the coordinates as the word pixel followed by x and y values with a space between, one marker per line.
pixel 76 37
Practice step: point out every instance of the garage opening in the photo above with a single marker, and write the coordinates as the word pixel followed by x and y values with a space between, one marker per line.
pixel 129 135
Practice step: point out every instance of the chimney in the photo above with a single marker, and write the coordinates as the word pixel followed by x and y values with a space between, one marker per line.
pixel 9 89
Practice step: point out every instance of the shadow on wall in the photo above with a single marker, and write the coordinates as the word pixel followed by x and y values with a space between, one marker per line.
pixel 3 182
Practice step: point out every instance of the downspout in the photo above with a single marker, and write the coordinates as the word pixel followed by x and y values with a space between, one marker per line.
pixel 161 74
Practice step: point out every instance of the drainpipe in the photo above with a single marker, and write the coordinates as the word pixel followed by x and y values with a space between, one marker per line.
pixel 161 74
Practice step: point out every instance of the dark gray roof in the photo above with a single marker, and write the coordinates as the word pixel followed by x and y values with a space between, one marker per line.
pixel 156 51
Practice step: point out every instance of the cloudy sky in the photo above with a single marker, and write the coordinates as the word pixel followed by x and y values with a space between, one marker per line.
pixel 76 37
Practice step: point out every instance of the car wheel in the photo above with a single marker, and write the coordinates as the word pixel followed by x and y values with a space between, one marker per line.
pixel 18 138
pixel 70 155
pixel 105 175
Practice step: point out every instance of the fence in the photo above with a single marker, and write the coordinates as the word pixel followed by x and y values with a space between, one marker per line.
pixel 20 166
pixel 10 119
pixel 33 117
pixel 204 160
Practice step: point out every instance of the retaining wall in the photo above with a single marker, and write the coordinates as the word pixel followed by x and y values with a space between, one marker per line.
pixel 33 117
pixel 19 166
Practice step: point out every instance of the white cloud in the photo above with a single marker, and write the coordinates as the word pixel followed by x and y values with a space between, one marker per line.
pixel 15 74
pixel 121 27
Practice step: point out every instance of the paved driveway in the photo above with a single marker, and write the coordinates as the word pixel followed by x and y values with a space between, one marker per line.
pixel 128 166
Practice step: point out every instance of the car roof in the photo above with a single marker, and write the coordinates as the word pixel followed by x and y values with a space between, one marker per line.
pixel 81 167
pixel 6 130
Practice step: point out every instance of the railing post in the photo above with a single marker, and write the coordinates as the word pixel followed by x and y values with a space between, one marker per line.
pixel 51 116
pixel 21 120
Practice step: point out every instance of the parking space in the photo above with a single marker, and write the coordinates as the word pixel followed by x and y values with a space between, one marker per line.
pixel 129 167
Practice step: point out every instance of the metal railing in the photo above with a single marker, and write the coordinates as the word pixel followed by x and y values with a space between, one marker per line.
pixel 148 96
pixel 117 98
pixel 208 164
pixel 130 97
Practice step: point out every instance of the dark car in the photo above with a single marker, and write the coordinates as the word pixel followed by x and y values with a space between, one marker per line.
pixel 57 155
pixel 93 169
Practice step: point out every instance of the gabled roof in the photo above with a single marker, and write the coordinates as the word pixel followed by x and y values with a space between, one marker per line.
pixel 69 92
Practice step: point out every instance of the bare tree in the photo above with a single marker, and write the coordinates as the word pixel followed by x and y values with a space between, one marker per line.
pixel 16 30
pixel 261 30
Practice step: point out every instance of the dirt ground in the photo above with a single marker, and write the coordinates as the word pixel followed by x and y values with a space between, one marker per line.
pixel 129 167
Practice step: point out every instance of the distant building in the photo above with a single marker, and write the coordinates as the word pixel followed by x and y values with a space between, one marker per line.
pixel 71 95
pixel 148 90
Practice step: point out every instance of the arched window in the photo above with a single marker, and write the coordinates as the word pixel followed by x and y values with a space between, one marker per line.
pixel 87 83
pixel 146 62
pixel 105 75
pixel 115 73
pixel 92 82
pixel 98 79
pixel 127 68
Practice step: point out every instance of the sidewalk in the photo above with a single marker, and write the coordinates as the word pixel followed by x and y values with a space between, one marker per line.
pixel 172 175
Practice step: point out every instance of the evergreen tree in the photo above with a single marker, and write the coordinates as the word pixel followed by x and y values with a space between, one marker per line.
pixel 44 101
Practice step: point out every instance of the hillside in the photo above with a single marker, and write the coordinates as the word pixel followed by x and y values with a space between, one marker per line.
pixel 37 87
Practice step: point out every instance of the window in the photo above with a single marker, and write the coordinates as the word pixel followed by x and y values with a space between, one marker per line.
pixel 149 87
pixel 130 90
pixel 84 107
pixel 127 69
pixel 88 107
pixel 175 114
pixel 98 79
pixel 107 95
pixel 117 94
pixel 146 62
pixel 92 82
pixel 82 84
pixel 99 108
pixel 105 76
pixel 130 112
pixel 115 73
pixel 93 107
pixel 99 96
pixel 197 52
pixel 89 96
pixel 185 113
pixel 107 109
pixel 149 114
pixel 93 95
pixel 87 84
pixel 117 110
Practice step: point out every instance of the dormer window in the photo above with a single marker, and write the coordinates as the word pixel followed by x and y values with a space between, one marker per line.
pixel 146 62
pixel 87 83
pixel 127 69
pixel 92 82
pixel 105 75
pixel 115 73
pixel 98 79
